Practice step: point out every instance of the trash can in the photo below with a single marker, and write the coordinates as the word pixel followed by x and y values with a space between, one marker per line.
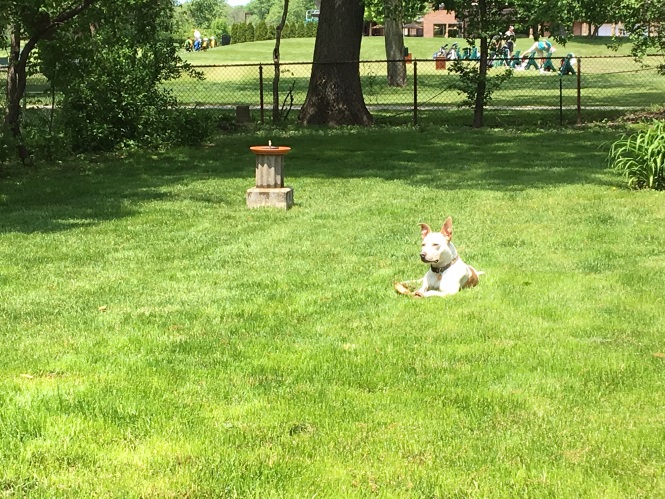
pixel 226 39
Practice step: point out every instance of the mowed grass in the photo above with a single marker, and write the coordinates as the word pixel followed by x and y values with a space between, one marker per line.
pixel 609 79
pixel 160 339
pixel 372 48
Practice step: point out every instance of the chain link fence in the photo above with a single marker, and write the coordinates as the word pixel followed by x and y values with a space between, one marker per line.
pixel 589 89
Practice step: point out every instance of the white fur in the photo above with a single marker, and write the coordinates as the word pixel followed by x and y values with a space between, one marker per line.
pixel 438 251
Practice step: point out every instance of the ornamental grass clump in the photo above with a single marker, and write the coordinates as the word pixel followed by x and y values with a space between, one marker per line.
pixel 640 157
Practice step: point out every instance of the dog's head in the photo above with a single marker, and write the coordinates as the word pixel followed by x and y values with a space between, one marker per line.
pixel 436 247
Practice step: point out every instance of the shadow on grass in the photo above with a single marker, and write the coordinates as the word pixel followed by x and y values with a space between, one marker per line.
pixel 88 192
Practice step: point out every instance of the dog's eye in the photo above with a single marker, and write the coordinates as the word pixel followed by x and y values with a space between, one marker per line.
pixel 437 246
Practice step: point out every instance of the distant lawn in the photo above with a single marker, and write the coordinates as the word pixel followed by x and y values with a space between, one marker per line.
pixel 613 81
pixel 606 84
pixel 373 48
pixel 162 340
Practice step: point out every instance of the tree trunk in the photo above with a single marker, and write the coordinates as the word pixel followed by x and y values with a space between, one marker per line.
pixel 479 109
pixel 16 80
pixel 335 95
pixel 276 116
pixel 394 41
pixel 16 69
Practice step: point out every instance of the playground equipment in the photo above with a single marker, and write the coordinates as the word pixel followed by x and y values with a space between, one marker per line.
pixel 500 58
pixel 530 62
pixel 469 53
pixel 567 65
pixel 547 65
pixel 449 55
pixel 312 16
pixel 515 60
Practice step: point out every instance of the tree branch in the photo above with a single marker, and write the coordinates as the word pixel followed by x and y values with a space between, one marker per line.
pixel 59 20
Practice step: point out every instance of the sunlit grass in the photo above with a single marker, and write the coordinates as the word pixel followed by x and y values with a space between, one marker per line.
pixel 373 48
pixel 161 339
pixel 612 81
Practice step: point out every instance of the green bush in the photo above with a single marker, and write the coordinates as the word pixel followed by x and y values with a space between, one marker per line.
pixel 188 127
pixel 310 29
pixel 468 82
pixel 249 33
pixel 234 33
pixel 640 157
pixel 116 101
pixel 261 31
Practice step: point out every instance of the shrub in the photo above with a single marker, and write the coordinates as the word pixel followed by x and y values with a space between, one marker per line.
pixel 640 157
pixel 261 31
pixel 310 29
pixel 249 33
pixel 115 103
pixel 468 82
pixel 189 127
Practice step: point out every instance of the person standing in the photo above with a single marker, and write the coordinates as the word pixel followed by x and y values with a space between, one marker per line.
pixel 510 40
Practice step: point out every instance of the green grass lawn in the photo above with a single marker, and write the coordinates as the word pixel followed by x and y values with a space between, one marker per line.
pixel 160 339
pixel 373 48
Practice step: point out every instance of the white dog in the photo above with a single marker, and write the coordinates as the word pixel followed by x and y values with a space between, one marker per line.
pixel 447 273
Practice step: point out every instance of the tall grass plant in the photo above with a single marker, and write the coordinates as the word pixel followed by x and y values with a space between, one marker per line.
pixel 639 157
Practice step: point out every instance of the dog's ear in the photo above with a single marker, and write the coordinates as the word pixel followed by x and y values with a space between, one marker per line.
pixel 424 230
pixel 447 229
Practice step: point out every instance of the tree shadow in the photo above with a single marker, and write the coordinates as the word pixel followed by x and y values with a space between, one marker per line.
pixel 460 158
pixel 84 193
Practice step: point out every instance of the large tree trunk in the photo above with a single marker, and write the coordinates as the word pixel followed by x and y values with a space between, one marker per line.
pixel 394 41
pixel 335 95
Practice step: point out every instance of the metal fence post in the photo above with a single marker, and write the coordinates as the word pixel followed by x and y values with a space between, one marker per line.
pixel 415 93
pixel 560 100
pixel 579 91
pixel 261 93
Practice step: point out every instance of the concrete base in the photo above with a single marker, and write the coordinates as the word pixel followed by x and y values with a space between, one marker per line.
pixel 277 197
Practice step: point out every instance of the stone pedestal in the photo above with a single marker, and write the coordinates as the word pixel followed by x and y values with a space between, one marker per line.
pixel 270 189
pixel 281 197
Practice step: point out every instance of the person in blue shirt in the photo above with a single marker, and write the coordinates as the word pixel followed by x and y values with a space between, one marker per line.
pixel 543 48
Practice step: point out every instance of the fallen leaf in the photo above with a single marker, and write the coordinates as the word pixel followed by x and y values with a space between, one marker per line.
pixel 27 376
pixel 103 308
pixel 659 355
